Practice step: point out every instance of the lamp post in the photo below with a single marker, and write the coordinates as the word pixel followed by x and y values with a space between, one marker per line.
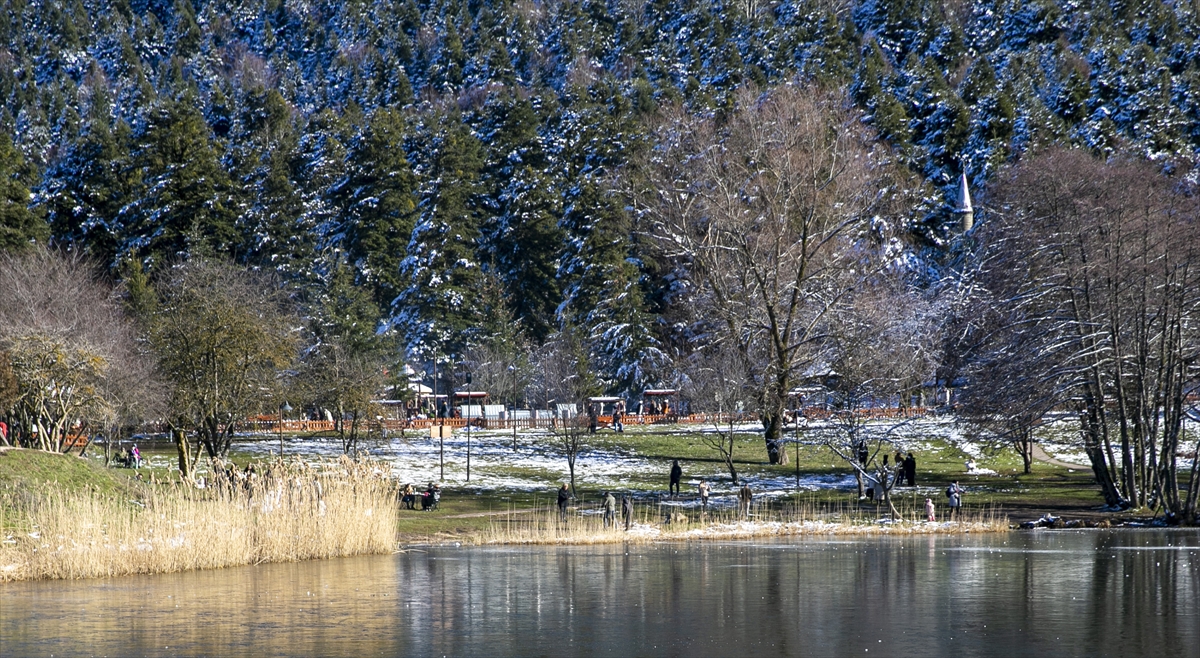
pixel 284 408
pixel 468 377
pixel 441 425
pixel 796 445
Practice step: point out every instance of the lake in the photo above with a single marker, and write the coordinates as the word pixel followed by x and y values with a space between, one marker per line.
pixel 1085 593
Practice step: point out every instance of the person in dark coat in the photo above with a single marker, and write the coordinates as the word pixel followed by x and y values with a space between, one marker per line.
pixel 610 509
pixel 627 510
pixel 745 497
pixel 676 476
pixel 564 496
pixel 910 470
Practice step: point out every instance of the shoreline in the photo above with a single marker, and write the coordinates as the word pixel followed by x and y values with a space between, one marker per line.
pixel 650 533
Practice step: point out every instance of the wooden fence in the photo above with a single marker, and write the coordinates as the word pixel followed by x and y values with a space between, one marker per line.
pixel 270 425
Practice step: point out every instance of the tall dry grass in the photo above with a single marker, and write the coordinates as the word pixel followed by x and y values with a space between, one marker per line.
pixel 545 526
pixel 290 512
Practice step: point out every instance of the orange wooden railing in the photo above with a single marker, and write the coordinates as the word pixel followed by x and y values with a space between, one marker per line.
pixel 271 425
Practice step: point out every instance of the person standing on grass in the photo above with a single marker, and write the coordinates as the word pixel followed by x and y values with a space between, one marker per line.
pixel 564 496
pixel 745 496
pixel 954 493
pixel 627 510
pixel 910 470
pixel 704 495
pixel 676 476
pixel 610 509
pixel 929 512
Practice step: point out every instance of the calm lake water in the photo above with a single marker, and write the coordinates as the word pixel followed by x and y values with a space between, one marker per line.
pixel 1086 593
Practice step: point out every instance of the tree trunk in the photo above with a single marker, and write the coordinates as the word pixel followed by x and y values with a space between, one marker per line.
pixel 1025 447
pixel 571 469
pixel 773 424
pixel 179 438
pixel 1189 509
pixel 1095 452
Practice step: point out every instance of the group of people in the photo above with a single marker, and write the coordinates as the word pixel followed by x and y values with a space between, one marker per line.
pixel 745 494
pixel 131 458
pixel 906 468
pixel 618 417
pixel 429 498
pixel 608 505
pixel 954 494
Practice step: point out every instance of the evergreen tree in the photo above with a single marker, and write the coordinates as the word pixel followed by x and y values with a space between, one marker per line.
pixel 91 184
pixel 441 311
pixel 521 237
pixel 185 199
pixel 377 204
pixel 272 223
pixel 20 225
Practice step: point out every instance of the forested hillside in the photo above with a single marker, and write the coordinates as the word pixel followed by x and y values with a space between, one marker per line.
pixel 439 169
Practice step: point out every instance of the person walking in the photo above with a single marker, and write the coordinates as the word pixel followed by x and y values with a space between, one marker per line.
pixel 929 515
pixel 564 496
pixel 619 417
pixel 676 476
pixel 703 495
pixel 627 510
pixel 910 470
pixel 610 509
pixel 745 496
pixel 954 493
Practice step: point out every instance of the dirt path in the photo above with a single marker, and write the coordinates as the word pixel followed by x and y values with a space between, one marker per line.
pixel 1041 455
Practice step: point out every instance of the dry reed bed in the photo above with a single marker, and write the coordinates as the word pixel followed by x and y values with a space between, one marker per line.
pixel 290 512
pixel 545 527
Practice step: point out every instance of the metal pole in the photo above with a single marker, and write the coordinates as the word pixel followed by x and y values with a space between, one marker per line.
pixel 282 408
pixel 796 447
pixel 468 417
pixel 437 413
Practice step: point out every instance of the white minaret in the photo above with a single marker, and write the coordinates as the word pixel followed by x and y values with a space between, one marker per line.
pixel 963 209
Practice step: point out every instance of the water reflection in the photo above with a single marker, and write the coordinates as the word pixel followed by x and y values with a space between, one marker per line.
pixel 1086 593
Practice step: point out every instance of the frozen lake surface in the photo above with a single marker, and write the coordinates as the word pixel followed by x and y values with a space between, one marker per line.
pixel 1087 593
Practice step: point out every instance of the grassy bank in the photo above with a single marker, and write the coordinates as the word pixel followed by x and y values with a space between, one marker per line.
pixel 290 512
pixel 64 517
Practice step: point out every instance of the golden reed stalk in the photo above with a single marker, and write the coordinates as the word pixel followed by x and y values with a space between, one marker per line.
pixel 546 526
pixel 291 512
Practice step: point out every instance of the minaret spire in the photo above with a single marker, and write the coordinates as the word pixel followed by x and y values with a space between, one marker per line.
pixel 963 208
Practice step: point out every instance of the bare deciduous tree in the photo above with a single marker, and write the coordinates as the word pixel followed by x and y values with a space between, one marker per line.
pixel 224 336
pixel 562 376
pixel 347 382
pixel 714 374
pixel 71 350
pixel 882 347
pixel 1089 293
pixel 770 217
